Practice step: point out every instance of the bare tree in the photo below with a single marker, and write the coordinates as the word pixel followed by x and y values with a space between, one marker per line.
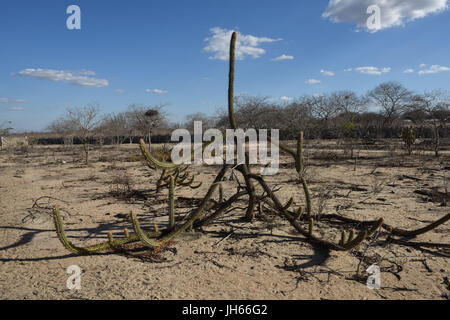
pixel 295 117
pixel 5 128
pixel 435 106
pixel 392 97
pixel 322 109
pixel 80 121
pixel 145 119
pixel 207 121
pixel 65 128
pixel 116 126
pixel 348 104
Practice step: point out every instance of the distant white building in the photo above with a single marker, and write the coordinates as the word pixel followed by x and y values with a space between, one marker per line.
pixel 13 142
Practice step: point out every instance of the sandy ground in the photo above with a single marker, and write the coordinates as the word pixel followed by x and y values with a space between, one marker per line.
pixel 230 259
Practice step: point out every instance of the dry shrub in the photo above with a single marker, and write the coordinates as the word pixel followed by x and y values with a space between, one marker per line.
pixel 136 158
pixel 121 185
pixel 162 155
pixel 105 158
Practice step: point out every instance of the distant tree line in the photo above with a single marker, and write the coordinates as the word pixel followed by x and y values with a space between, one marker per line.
pixel 344 114
pixel 337 115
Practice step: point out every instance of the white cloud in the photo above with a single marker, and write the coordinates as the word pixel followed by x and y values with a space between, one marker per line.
pixel 6 100
pixel 408 71
pixel 423 65
pixel 312 81
pixel 434 69
pixel 286 98
pixel 120 91
pixel 327 73
pixel 348 70
pixel 246 45
pixel 394 13
pixel 87 73
pixel 15 109
pixel 157 91
pixel 283 57
pixel 372 70
pixel 76 78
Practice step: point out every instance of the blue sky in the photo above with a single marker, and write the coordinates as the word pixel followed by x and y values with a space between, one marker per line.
pixel 169 51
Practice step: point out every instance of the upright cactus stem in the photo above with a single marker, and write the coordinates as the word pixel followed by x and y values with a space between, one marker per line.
pixel 110 239
pixel 172 202
pixel 299 167
pixel 299 157
pixel 231 116
pixel 221 193
pixel 299 213
pixel 311 226
pixel 343 238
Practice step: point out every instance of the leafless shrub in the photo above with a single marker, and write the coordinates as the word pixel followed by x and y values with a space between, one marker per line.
pixel 121 185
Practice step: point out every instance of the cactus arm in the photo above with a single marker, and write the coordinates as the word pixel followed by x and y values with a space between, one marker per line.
pixel 153 160
pixel 311 227
pixel 198 211
pixel 289 204
pixel 172 203
pixel 307 196
pixel 390 229
pixel 299 155
pixel 90 249
pixel 414 233
pixel 299 166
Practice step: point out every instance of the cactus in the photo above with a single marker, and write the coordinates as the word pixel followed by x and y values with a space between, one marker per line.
pixel 299 167
pixel 110 239
pixel 177 175
pixel 198 211
pixel 220 193
pixel 299 214
pixel 172 203
pixel 289 204
pixel 90 249
pixel 311 226
pixel 244 169
pixel 343 238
